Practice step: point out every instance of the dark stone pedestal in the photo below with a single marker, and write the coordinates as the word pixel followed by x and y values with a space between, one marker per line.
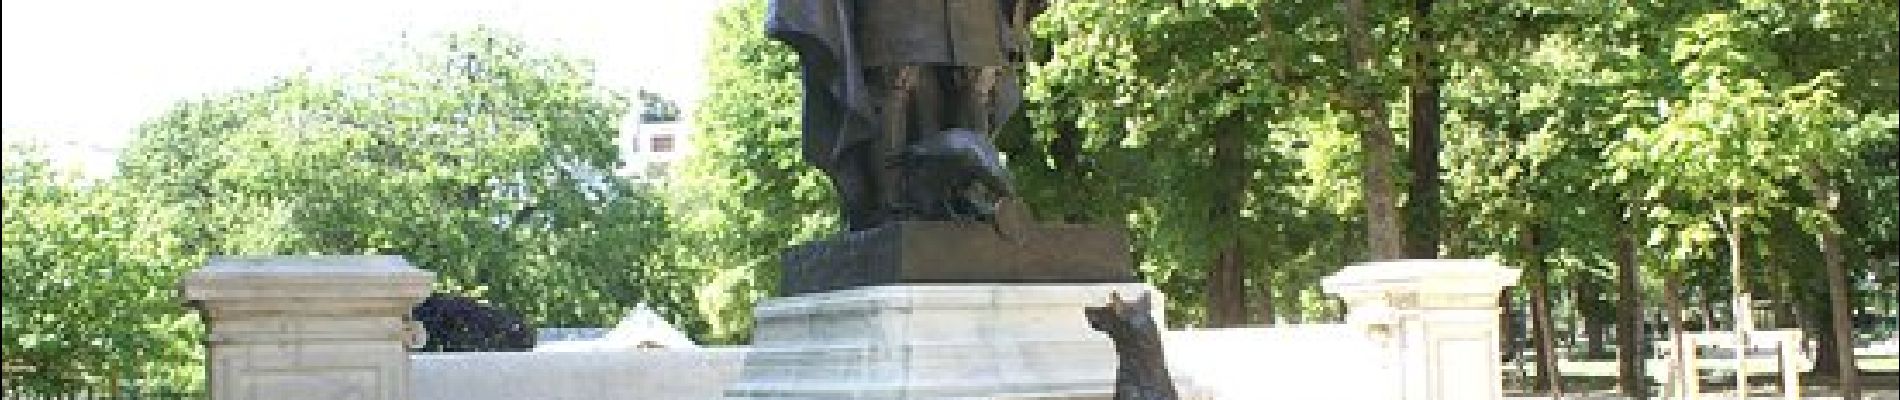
pixel 933 252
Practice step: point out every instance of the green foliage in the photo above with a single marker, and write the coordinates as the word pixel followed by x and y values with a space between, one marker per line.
pixel 1552 119
pixel 488 162
pixel 89 278
pixel 746 194
pixel 1736 114
pixel 472 156
pixel 1150 85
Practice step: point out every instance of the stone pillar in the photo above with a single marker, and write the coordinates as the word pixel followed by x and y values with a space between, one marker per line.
pixel 328 327
pixel 1439 319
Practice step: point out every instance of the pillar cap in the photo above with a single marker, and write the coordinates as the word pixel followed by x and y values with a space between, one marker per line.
pixel 1422 276
pixel 305 277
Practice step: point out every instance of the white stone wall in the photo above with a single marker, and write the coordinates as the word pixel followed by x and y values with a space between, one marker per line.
pixel 1330 361
pixel 648 374
pixel 1415 330
pixel 1316 361
pixel 331 328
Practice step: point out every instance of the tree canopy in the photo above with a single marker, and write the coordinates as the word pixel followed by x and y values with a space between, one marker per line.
pixel 1692 152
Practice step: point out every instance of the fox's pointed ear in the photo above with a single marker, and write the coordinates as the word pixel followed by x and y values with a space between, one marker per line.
pixel 1115 302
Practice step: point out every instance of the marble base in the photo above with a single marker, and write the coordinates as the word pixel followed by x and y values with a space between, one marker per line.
pixel 932 341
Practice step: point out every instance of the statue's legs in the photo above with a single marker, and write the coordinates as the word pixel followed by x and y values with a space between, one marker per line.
pixel 907 98
pixel 917 103
pixel 931 112
pixel 961 104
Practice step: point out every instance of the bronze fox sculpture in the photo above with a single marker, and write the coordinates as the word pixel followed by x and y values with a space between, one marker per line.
pixel 1142 372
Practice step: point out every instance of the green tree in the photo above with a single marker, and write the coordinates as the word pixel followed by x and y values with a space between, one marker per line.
pixel 90 268
pixel 1174 119
pixel 473 156
pixel 1384 226
pixel 745 194
pixel 1744 127
pixel 1425 118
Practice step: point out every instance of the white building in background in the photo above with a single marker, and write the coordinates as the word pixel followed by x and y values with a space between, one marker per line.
pixel 654 139
pixel 651 150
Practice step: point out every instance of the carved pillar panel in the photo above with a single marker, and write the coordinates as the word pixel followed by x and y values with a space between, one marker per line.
pixel 329 327
pixel 1439 319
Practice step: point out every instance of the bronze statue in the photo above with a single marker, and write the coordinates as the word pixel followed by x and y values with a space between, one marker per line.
pixel 901 98
pixel 1142 370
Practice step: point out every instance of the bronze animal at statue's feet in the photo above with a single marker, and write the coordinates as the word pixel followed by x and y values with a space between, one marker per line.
pixel 1142 372
pixel 956 175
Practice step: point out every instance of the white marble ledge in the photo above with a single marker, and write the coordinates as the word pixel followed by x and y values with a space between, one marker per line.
pixel 304 278
pixel 1422 276
pixel 948 296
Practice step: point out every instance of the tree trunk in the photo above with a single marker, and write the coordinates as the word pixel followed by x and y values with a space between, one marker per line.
pixel 1422 202
pixel 1840 296
pixel 1266 295
pixel 1740 305
pixel 1819 326
pixel 1679 373
pixel 1788 314
pixel 1550 378
pixel 1589 309
pixel 1226 284
pixel 1508 331
pixel 1629 315
pixel 1384 228
pixel 1226 290
pixel 1065 152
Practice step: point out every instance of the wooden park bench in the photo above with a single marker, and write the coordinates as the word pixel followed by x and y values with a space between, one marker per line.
pixel 1784 357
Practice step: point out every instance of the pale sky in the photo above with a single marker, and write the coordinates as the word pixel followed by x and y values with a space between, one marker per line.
pixel 82 74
